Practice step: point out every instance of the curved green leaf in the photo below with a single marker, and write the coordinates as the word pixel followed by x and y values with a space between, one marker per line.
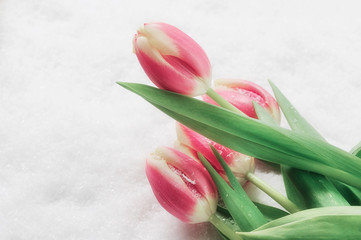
pixel 243 211
pixel 305 188
pixel 270 213
pixel 353 195
pixel 311 190
pixel 356 150
pixel 294 118
pixel 331 223
pixel 266 142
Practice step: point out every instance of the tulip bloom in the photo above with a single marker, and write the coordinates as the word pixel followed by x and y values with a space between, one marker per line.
pixel 242 93
pixel 181 185
pixel 172 59
pixel 191 142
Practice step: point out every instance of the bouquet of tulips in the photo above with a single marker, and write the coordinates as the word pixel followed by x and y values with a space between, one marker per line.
pixel 221 138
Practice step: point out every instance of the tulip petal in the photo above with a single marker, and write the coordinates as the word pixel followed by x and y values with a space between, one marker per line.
pixel 179 44
pixel 168 190
pixel 172 60
pixel 159 70
pixel 241 93
pixel 181 185
pixel 186 150
pixel 236 98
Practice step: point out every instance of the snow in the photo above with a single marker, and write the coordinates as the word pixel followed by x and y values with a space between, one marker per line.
pixel 73 143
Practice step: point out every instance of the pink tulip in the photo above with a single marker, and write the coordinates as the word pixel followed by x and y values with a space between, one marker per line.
pixel 242 93
pixel 172 59
pixel 191 142
pixel 181 185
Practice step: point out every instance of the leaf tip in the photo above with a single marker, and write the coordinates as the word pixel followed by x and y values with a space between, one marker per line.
pixel 273 86
pixel 123 84
pixel 133 87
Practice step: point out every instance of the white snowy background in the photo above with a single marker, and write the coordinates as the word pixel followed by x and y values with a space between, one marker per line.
pixel 73 143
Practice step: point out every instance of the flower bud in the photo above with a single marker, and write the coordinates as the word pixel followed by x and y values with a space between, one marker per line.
pixel 172 59
pixel 239 163
pixel 242 93
pixel 181 185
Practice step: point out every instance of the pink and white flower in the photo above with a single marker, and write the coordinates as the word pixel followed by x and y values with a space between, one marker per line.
pixel 191 142
pixel 172 59
pixel 181 185
pixel 242 93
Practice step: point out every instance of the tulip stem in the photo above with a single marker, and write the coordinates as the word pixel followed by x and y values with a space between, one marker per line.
pixel 223 102
pixel 273 193
pixel 223 228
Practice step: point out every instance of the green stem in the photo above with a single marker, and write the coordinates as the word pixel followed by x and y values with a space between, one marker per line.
pixel 223 102
pixel 223 228
pixel 278 197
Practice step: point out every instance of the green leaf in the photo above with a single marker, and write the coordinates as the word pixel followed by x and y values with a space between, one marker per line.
pixel 282 200
pixel 232 179
pixel 294 118
pixel 352 195
pixel 292 192
pixel 224 215
pixel 306 189
pixel 263 115
pixel 331 223
pixel 242 195
pixel 270 213
pixel 253 138
pixel 244 213
pixel 325 212
pixel 357 150
pixel 313 190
